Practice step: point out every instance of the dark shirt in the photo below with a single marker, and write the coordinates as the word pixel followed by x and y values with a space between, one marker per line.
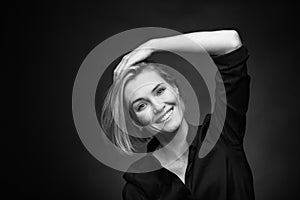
pixel 224 173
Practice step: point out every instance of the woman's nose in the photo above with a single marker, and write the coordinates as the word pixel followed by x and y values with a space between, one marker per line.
pixel 158 106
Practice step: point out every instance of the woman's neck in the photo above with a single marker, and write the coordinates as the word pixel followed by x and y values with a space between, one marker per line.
pixel 174 149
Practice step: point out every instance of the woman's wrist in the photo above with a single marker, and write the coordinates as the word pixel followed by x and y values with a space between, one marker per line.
pixel 151 44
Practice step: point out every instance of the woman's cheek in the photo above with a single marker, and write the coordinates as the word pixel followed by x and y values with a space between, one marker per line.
pixel 171 96
pixel 144 118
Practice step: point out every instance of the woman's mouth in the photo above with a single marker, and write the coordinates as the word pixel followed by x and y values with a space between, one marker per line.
pixel 166 116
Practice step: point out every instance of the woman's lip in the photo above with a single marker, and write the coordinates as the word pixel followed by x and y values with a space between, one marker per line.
pixel 159 119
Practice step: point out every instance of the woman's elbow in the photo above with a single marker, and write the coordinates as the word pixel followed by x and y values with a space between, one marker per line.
pixel 234 40
pixel 226 42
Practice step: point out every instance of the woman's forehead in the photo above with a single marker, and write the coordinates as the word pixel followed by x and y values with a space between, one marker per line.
pixel 142 82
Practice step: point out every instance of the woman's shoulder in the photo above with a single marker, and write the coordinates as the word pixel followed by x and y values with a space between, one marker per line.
pixel 198 132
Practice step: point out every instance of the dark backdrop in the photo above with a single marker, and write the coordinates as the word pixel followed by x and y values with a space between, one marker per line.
pixel 50 162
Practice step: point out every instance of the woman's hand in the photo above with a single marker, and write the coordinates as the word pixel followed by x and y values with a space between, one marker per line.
pixel 137 55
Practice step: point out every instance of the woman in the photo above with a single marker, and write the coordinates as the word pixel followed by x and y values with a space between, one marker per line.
pixel 152 100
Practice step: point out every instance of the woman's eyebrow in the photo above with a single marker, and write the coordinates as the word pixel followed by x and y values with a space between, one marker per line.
pixel 138 99
pixel 155 87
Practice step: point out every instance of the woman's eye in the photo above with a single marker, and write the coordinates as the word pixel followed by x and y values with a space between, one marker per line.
pixel 160 90
pixel 140 107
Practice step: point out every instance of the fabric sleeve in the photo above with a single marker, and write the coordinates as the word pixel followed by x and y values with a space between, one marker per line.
pixel 132 192
pixel 233 73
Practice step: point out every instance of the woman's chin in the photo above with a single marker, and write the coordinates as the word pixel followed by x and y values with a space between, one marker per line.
pixel 171 128
pixel 168 127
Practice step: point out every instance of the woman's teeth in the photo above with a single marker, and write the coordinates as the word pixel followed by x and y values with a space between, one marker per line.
pixel 166 116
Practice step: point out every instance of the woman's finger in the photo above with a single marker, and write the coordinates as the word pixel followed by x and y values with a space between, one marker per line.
pixel 133 57
pixel 123 64
pixel 120 66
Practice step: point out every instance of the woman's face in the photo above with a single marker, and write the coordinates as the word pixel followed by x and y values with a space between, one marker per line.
pixel 155 103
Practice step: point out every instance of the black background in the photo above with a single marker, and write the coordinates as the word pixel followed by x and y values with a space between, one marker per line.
pixel 50 162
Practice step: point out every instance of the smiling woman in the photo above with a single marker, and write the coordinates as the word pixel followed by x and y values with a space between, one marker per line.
pixel 145 97
pixel 154 102
pixel 151 102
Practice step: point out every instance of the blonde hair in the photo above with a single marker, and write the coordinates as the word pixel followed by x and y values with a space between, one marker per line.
pixel 113 116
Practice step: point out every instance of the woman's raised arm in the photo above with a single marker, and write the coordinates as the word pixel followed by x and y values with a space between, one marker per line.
pixel 214 42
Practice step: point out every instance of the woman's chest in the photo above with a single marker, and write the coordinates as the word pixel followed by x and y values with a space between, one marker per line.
pixel 178 168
